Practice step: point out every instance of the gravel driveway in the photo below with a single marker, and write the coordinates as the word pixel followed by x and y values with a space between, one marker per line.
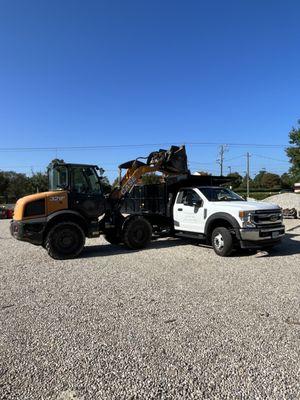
pixel 173 321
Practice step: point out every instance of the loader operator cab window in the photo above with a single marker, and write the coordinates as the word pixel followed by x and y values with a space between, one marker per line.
pixel 58 178
pixel 85 180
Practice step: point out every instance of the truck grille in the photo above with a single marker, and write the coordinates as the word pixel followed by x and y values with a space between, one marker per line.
pixel 262 218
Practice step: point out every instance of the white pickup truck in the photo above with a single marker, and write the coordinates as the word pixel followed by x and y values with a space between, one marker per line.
pixel 214 214
pixel 225 219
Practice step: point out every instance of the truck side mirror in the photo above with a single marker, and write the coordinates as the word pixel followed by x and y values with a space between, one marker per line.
pixel 198 203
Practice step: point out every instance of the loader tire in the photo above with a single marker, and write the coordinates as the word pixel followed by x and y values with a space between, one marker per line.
pixel 65 240
pixel 137 233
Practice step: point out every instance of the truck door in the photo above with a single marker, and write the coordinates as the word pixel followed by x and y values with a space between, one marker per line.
pixel 188 211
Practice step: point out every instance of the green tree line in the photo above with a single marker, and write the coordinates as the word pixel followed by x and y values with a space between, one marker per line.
pixel 14 185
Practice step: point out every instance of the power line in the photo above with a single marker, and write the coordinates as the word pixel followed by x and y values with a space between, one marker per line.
pixel 234 158
pixel 270 158
pixel 95 147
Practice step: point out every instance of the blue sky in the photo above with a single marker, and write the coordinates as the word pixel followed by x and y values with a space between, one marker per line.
pixel 84 73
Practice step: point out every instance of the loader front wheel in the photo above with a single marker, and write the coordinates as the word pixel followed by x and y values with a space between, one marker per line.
pixel 65 240
pixel 137 233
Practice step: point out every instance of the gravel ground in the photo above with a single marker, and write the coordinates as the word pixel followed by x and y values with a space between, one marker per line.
pixel 285 200
pixel 173 321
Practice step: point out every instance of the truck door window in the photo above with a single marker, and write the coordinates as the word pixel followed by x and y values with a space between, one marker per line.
pixel 187 197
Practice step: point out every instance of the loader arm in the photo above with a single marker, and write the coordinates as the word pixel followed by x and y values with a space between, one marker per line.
pixel 169 162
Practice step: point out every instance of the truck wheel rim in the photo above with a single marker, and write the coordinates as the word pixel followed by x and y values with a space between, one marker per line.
pixel 219 241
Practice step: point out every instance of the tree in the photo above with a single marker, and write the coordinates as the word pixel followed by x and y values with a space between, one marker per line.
pixel 293 152
pixel 236 179
pixel 257 181
pixel 4 182
pixel 38 182
pixel 106 185
pixel 266 180
pixel 151 179
pixel 115 183
pixel 286 181
pixel 244 183
pixel 18 185
pixel 270 181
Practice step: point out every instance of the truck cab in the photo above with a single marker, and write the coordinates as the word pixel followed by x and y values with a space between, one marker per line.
pixel 225 219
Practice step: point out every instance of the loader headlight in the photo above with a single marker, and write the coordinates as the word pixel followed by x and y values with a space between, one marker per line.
pixel 246 218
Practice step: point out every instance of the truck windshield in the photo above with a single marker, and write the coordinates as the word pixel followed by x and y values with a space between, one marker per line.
pixel 58 177
pixel 220 194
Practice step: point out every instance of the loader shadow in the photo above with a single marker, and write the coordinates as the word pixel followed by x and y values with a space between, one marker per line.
pixel 112 250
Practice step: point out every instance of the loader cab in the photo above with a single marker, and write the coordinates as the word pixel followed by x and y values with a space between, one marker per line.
pixel 83 184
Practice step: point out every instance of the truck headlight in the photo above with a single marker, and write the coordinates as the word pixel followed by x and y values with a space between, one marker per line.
pixel 246 218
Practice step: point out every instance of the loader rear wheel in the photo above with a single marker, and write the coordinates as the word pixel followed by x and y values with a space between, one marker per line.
pixel 137 233
pixel 65 240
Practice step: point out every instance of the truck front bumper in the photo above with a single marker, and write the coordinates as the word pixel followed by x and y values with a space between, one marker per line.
pixel 260 238
pixel 30 231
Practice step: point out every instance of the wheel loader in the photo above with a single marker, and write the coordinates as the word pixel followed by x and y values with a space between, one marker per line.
pixel 75 207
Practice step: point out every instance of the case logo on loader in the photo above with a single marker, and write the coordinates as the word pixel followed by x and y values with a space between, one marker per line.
pixel 56 198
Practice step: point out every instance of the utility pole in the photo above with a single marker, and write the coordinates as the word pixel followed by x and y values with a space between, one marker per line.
pixel 248 174
pixel 229 169
pixel 220 160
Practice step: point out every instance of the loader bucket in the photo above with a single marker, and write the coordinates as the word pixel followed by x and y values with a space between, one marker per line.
pixel 172 161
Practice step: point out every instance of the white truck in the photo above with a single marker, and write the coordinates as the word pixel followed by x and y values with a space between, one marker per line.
pixel 196 208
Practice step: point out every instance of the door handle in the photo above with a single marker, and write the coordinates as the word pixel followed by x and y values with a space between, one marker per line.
pixel 179 209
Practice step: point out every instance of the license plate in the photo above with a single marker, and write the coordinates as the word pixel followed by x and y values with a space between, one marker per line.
pixel 275 234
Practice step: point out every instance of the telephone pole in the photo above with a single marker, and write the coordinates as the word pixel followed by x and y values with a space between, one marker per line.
pixel 248 174
pixel 220 160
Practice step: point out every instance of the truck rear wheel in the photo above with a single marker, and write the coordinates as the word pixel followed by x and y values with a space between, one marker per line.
pixel 137 233
pixel 65 240
pixel 222 242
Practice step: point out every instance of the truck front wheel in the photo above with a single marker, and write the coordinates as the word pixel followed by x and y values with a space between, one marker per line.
pixel 65 240
pixel 137 233
pixel 222 242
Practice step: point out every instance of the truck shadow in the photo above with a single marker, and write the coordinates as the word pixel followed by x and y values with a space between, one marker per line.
pixel 288 247
pixel 112 250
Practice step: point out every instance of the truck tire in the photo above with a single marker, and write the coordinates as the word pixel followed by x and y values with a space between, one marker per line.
pixel 65 240
pixel 222 242
pixel 137 233
pixel 112 238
